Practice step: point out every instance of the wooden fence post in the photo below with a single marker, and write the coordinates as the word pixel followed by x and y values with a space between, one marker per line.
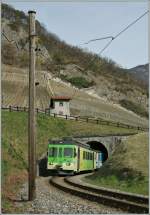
pixel 10 108
pixel 17 108
pixel 66 117
pixel 37 110
pixel 87 119
pixel 54 115
pixel 97 121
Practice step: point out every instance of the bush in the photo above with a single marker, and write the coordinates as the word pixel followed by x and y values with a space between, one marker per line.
pixel 134 107
pixel 80 82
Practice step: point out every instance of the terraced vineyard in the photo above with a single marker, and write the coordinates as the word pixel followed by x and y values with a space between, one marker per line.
pixel 15 93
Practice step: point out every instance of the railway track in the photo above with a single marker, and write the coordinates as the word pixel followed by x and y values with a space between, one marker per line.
pixel 126 202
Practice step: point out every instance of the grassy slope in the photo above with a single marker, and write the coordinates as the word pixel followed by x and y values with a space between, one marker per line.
pixel 127 169
pixel 14 132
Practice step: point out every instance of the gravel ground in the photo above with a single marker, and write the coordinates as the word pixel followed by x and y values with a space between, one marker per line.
pixel 50 200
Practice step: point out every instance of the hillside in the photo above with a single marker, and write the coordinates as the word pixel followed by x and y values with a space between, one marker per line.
pixel 101 77
pixel 15 147
pixel 15 93
pixel 127 168
pixel 141 72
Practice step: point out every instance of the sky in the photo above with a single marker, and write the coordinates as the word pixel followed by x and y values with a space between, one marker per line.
pixel 79 22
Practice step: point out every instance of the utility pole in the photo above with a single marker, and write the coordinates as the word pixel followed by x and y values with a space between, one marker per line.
pixel 31 116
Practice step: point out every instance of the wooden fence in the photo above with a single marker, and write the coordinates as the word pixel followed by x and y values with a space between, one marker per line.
pixel 76 118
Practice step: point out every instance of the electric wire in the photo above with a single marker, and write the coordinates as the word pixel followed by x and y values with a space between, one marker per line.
pixel 10 41
pixel 93 40
pixel 116 36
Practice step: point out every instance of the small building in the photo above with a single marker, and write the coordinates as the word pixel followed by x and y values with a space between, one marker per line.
pixel 60 105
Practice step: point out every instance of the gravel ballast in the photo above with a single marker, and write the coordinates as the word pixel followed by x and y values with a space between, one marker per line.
pixel 50 200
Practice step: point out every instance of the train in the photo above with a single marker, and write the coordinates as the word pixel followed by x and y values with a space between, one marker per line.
pixel 68 156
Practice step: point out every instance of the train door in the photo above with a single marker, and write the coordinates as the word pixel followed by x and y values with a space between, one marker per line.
pixel 78 165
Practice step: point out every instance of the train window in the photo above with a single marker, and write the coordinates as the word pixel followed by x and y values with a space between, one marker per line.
pixel 60 152
pixel 68 152
pixel 83 155
pixel 75 153
pixel 88 156
pixel 52 152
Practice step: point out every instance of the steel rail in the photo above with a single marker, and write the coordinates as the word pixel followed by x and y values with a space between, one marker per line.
pixel 109 192
pixel 125 205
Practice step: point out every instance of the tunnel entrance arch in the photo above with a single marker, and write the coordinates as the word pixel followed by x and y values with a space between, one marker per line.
pixel 95 145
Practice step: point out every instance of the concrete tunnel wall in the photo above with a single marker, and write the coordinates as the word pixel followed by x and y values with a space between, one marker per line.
pixel 109 142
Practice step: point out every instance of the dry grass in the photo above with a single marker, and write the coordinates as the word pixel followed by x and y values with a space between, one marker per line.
pixel 127 169
pixel 15 92
pixel 137 156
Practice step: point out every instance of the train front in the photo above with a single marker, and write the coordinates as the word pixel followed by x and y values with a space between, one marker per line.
pixel 61 157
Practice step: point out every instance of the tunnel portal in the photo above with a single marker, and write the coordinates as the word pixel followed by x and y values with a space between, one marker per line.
pixel 99 147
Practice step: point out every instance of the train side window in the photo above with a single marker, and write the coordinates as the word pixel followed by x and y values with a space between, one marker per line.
pixel 75 153
pixel 86 155
pixel 90 156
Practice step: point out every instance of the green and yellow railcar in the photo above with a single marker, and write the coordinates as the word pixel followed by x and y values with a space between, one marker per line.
pixel 69 156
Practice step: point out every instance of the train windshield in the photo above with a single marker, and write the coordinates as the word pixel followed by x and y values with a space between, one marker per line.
pixel 53 152
pixel 68 152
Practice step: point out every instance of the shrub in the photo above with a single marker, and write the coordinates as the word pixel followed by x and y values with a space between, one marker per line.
pixel 80 82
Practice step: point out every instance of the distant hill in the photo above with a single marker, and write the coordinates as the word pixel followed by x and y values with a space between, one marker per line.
pixel 101 77
pixel 141 72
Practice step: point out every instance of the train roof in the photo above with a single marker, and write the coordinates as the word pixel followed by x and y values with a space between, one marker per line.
pixel 68 141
